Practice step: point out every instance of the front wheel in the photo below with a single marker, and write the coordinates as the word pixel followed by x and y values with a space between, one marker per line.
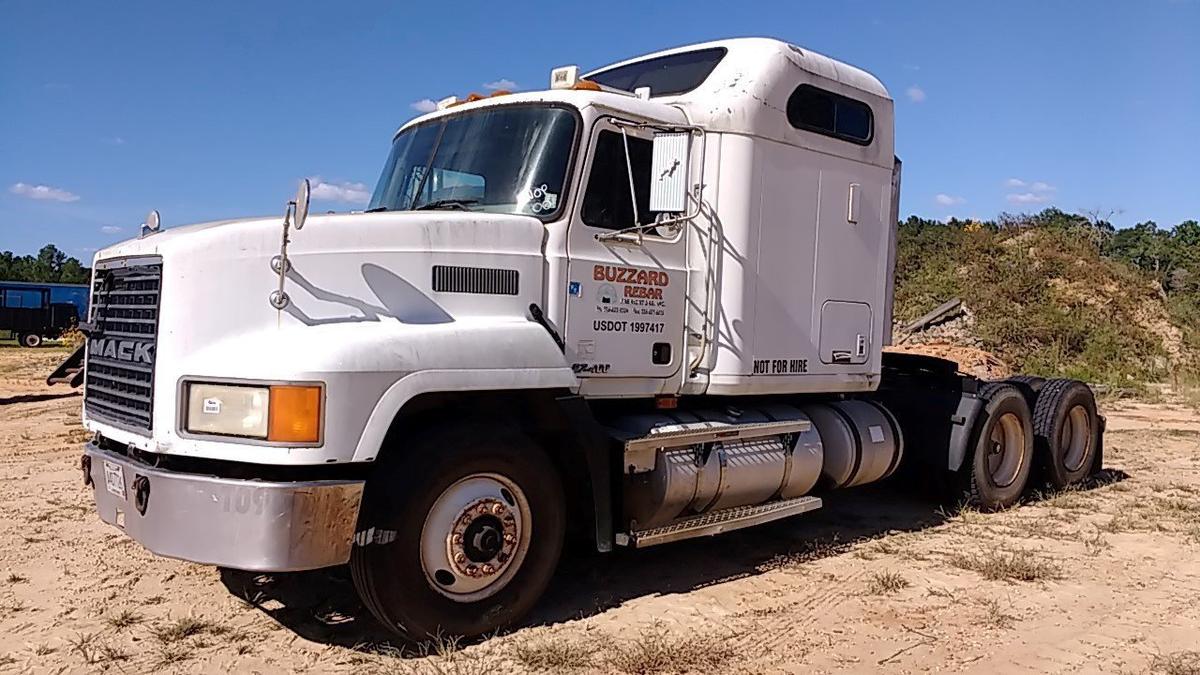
pixel 31 340
pixel 460 535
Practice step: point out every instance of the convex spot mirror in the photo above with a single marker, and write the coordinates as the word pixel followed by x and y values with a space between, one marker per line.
pixel 303 193
pixel 669 172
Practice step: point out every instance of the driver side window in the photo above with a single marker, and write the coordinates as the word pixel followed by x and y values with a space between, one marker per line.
pixel 607 204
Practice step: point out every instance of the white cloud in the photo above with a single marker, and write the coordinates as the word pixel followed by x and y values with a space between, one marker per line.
pixel 944 199
pixel 424 105
pixel 1027 198
pixel 351 193
pixel 113 140
pixel 109 229
pixel 43 192
pixel 1035 186
pixel 915 94
pixel 502 83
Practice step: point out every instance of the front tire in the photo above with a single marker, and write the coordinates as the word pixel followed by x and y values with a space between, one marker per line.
pixel 1002 451
pixel 459 534
pixel 30 340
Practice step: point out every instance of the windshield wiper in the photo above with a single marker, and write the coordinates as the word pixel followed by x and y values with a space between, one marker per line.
pixel 377 209
pixel 459 204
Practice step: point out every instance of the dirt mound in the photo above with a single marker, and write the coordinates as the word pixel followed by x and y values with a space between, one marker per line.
pixel 1039 300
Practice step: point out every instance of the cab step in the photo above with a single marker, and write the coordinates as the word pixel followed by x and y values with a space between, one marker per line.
pixel 717 522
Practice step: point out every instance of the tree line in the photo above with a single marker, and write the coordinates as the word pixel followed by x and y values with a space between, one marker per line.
pixel 50 265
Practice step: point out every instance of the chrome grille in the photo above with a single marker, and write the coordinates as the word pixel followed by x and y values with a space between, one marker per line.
pixel 121 343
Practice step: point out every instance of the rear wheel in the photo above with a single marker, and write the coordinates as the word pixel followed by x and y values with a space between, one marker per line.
pixel 461 535
pixel 1002 451
pixel 30 340
pixel 1066 431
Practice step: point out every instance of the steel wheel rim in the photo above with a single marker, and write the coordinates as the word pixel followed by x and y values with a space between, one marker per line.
pixel 1075 438
pixel 475 537
pixel 1006 450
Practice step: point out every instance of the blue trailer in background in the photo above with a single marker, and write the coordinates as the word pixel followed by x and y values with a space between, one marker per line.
pixel 31 312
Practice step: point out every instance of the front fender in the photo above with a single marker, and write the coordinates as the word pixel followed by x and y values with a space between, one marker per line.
pixel 370 370
pixel 430 381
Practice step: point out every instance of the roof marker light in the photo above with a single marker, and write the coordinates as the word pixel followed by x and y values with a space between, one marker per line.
pixel 447 102
pixel 564 77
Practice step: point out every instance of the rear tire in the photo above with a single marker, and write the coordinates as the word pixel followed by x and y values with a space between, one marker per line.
pixel 460 534
pixel 1066 431
pixel 1030 386
pixel 1001 450
pixel 30 340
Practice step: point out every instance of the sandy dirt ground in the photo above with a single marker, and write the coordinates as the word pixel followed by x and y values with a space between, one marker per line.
pixel 1103 579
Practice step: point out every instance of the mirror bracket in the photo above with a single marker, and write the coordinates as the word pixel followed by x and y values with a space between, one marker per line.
pixel 294 214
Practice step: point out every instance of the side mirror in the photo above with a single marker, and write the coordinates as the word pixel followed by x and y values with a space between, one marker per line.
pixel 669 172
pixel 302 196
pixel 152 224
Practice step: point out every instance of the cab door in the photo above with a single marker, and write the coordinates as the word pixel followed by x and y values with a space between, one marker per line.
pixel 625 294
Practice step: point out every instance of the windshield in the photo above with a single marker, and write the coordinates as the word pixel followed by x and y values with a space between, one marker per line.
pixel 499 160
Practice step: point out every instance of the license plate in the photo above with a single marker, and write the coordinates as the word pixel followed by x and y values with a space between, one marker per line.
pixel 114 479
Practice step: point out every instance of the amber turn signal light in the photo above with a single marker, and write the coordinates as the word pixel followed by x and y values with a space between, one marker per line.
pixel 295 415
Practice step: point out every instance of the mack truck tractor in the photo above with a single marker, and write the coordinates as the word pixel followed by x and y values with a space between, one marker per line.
pixel 645 304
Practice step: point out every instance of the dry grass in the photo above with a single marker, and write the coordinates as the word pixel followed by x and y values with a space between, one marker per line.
pixel 554 654
pixel 998 565
pixel 169 655
pixel 15 578
pixel 995 616
pixel 655 651
pixel 1096 544
pixel 1070 498
pixel 125 619
pixel 185 627
pixel 92 650
pixel 881 583
pixel 1177 663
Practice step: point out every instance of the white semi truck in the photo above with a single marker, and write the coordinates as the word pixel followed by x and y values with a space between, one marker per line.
pixel 646 304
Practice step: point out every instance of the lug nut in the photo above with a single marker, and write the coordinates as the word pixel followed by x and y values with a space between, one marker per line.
pixel 498 509
pixel 508 538
pixel 456 538
pixel 488 569
pixel 460 558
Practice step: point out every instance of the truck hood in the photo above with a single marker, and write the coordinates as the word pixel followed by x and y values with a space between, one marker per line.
pixel 217 277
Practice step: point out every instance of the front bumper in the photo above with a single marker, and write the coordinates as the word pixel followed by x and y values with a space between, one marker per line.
pixel 243 524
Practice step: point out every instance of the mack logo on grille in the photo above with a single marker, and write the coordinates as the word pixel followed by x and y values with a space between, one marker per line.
pixel 122 350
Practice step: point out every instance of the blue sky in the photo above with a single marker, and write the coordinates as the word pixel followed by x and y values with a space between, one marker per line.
pixel 216 109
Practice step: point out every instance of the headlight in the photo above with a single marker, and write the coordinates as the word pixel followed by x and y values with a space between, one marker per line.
pixel 278 413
